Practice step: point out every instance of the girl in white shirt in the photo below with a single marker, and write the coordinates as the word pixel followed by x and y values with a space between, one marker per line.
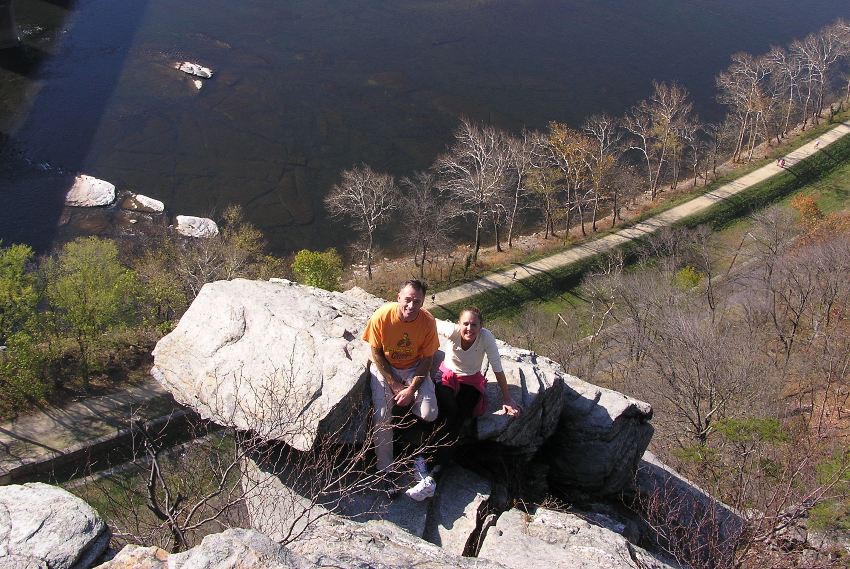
pixel 461 390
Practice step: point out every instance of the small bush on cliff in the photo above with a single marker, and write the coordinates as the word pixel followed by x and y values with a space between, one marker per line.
pixel 318 269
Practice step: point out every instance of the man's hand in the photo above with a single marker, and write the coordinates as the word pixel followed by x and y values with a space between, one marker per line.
pixel 405 397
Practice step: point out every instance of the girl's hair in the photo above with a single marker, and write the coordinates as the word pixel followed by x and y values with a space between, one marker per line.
pixel 475 311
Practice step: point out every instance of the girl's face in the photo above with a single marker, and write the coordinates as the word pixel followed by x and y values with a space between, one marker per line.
pixel 469 326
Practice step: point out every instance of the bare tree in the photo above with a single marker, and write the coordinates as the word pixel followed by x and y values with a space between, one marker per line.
pixel 430 216
pixel 571 151
pixel 365 197
pixel 785 71
pixel 475 171
pixel 652 125
pixel 521 151
pixel 818 53
pixel 743 87
pixel 602 162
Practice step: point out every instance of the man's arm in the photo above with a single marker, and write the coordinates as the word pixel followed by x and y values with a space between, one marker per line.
pixel 379 360
pixel 408 394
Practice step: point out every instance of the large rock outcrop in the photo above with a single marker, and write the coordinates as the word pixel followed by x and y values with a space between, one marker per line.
pixel 600 439
pixel 275 358
pixel 45 526
pixel 349 545
pixel 286 361
pixel 701 522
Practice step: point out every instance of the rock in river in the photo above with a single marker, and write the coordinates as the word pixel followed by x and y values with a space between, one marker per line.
pixel 88 191
pixel 190 226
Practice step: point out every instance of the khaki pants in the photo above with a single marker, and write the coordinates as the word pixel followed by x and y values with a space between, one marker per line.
pixel 424 407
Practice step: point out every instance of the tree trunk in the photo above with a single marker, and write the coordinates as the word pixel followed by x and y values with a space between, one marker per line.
pixel 614 209
pixel 369 257
pixel 580 206
pixel 422 264
pixel 511 225
pixel 788 112
pixel 477 236
pixel 595 211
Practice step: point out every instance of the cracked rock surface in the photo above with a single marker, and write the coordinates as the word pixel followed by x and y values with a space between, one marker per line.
pixel 231 549
pixel 45 526
pixel 561 540
pixel 277 358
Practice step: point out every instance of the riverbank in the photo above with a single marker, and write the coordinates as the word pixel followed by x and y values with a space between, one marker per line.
pixel 502 269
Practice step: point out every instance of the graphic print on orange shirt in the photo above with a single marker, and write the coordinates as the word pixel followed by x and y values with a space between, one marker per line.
pixel 403 349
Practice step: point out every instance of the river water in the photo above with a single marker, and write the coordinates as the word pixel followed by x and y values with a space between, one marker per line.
pixel 303 89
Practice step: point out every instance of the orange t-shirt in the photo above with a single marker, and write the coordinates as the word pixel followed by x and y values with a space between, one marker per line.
pixel 403 343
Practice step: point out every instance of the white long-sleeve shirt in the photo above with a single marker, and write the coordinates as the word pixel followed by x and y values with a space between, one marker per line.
pixel 468 362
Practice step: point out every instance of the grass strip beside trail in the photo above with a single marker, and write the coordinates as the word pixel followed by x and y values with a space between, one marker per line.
pixel 795 178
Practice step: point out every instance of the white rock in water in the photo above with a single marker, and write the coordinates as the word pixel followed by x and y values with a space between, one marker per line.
pixel 150 203
pixel 193 69
pixel 88 191
pixel 138 202
pixel 191 226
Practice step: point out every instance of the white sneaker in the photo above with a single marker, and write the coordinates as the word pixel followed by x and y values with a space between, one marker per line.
pixel 420 467
pixel 425 488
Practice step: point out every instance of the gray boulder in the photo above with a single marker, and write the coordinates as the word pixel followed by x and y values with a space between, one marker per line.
pixel 276 358
pixel 458 510
pixel 536 383
pixel 88 191
pixel 143 204
pixel 561 540
pixel 200 227
pixel 600 439
pixel 45 526
pixel 231 549
pixel 377 544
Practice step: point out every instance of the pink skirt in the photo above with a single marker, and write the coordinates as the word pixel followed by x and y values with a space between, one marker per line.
pixel 477 380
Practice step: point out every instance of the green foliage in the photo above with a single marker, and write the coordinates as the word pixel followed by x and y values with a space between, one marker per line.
pixel 318 269
pixel 162 291
pixel 833 514
pixel 18 296
pixel 751 429
pixel 21 373
pixel 696 454
pixel 687 278
pixel 90 293
pixel 830 515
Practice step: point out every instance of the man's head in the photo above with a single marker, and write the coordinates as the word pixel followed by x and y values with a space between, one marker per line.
pixel 411 295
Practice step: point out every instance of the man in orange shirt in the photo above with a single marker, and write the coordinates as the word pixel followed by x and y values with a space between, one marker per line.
pixel 403 338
